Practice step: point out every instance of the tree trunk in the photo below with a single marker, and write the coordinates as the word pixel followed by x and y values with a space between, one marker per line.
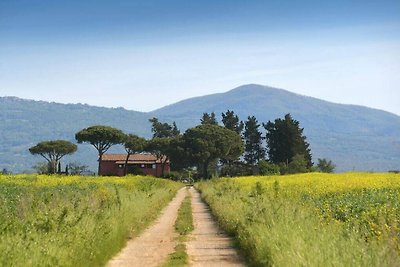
pixel 163 166
pixel 205 169
pixel 53 167
pixel 229 172
pixel 126 164
pixel 99 167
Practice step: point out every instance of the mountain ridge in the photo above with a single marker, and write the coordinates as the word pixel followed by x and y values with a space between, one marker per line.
pixel 284 104
pixel 263 87
pixel 354 137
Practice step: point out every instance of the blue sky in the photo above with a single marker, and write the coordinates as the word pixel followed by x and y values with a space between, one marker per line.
pixel 142 55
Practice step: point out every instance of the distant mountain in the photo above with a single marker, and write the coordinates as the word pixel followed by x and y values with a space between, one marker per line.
pixel 354 137
pixel 26 122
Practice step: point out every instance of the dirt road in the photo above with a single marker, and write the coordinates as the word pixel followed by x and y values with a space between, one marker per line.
pixel 156 243
pixel 207 245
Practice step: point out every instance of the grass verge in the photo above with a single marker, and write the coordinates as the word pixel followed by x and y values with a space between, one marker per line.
pixel 75 221
pixel 183 226
pixel 312 219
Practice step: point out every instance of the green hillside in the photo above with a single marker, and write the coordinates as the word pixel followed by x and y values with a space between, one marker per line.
pixel 354 137
pixel 26 122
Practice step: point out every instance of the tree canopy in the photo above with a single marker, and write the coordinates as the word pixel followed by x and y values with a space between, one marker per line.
pixel 207 143
pixel 208 146
pixel 161 130
pixel 133 144
pixel 325 165
pixel 209 119
pixel 162 144
pixel 254 150
pixel 285 140
pixel 101 137
pixel 232 122
pixel 53 151
pixel 160 147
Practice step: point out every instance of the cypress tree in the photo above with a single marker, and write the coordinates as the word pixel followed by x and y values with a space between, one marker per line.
pixel 285 140
pixel 232 122
pixel 209 119
pixel 254 150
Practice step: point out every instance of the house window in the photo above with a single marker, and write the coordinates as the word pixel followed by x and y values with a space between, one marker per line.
pixel 153 166
pixel 120 166
pixel 141 165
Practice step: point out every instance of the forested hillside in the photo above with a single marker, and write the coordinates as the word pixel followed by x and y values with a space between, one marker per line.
pixel 26 122
pixel 353 137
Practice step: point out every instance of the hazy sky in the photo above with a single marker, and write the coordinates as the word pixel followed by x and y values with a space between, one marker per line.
pixel 142 55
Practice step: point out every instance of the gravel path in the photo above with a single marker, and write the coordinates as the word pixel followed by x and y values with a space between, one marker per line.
pixel 208 245
pixel 153 246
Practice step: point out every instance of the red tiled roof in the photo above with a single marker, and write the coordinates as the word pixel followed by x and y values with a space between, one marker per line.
pixel 134 158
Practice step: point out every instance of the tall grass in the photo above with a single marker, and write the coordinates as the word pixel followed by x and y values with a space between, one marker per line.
pixel 74 221
pixel 311 220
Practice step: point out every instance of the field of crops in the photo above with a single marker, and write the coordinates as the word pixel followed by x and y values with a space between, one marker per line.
pixel 74 221
pixel 315 219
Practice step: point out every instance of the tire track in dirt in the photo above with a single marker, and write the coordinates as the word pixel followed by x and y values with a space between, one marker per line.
pixel 154 245
pixel 208 245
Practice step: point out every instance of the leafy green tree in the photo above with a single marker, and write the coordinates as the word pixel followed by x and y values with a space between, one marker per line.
pixel 179 159
pixel 205 144
pixel 175 131
pixel 254 150
pixel 232 122
pixel 267 168
pixel 237 168
pixel 101 137
pixel 53 151
pixel 285 140
pixel 161 130
pixel 209 119
pixel 163 144
pixel 325 165
pixel 160 148
pixel 298 164
pixel 133 144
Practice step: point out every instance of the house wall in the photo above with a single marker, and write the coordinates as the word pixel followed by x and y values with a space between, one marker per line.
pixel 111 168
pixel 159 170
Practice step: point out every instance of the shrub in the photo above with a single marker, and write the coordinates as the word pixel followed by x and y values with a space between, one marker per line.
pixel 325 165
pixel 267 168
